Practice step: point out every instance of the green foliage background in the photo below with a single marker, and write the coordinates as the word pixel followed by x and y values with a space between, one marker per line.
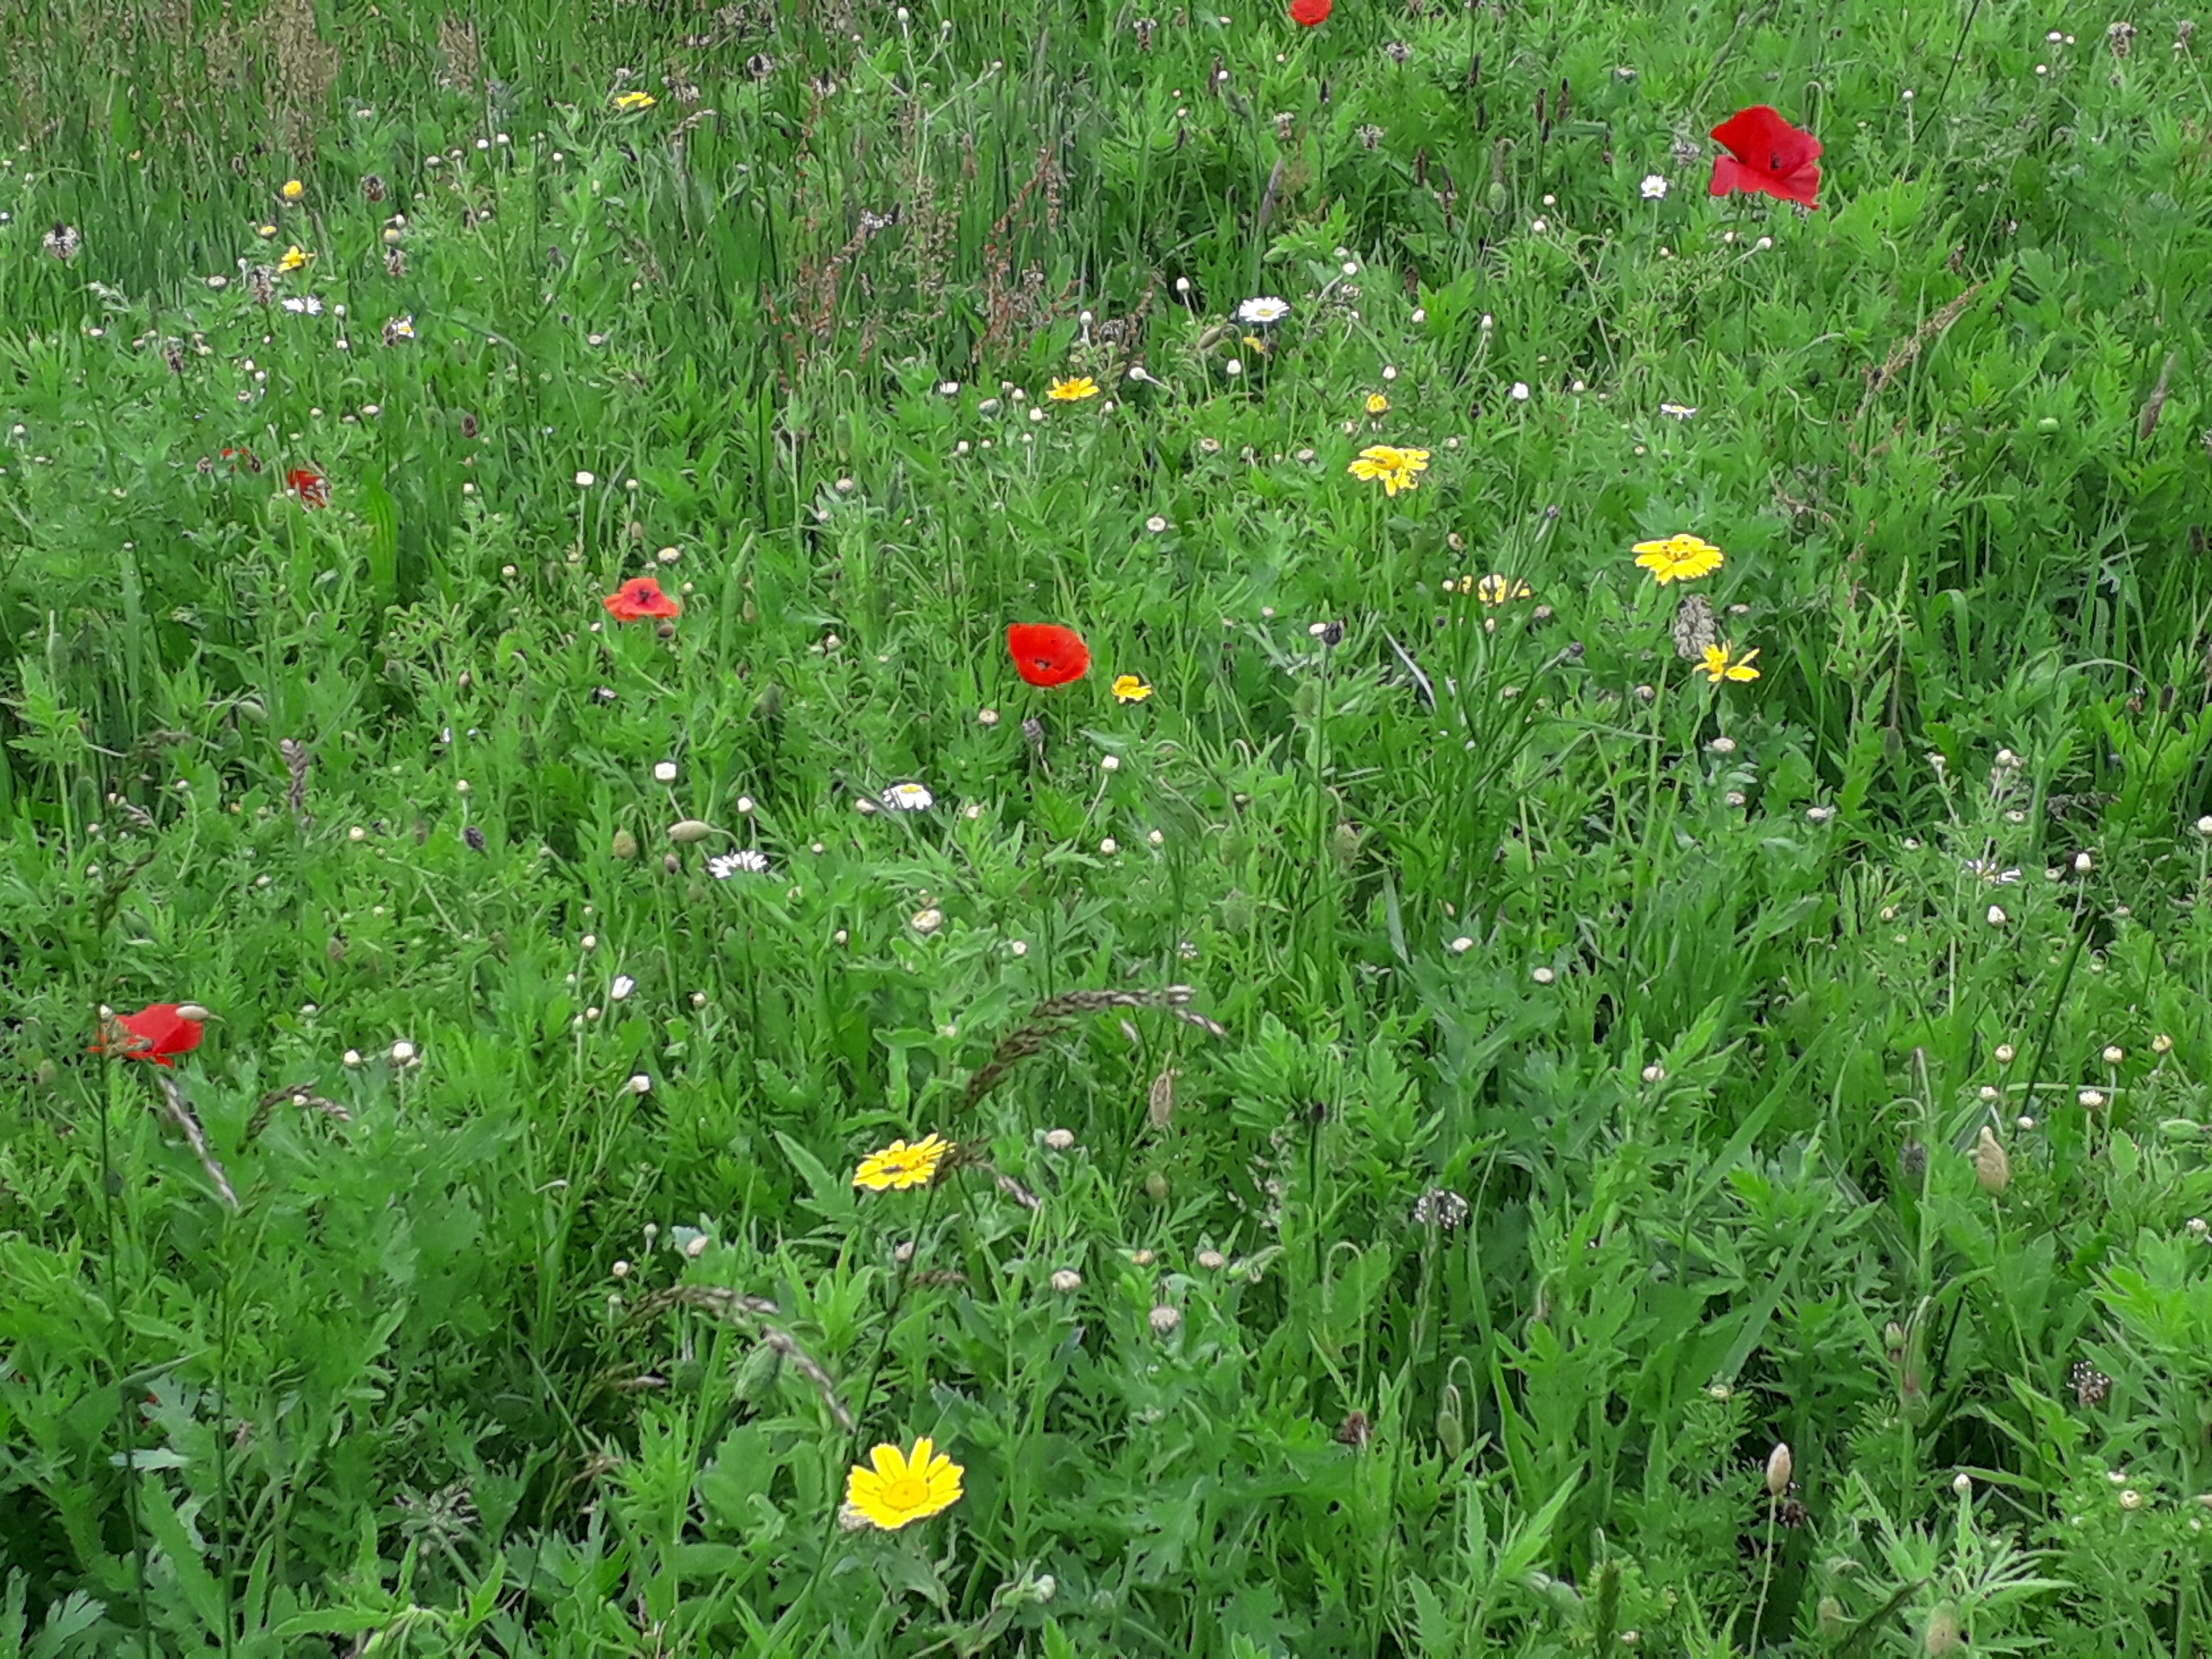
pixel 1699 998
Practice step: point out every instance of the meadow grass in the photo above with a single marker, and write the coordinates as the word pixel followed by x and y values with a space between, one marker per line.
pixel 1470 1135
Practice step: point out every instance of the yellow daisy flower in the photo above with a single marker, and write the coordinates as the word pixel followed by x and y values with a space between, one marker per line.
pixel 1495 589
pixel 1720 663
pixel 899 1166
pixel 1128 687
pixel 1377 403
pixel 296 258
pixel 1678 559
pixel 900 1488
pixel 627 101
pixel 1397 468
pixel 1074 391
pixel 293 191
pixel 1254 344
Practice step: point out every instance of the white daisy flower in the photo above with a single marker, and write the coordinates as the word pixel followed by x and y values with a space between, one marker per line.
pixel 1680 411
pixel 1654 187
pixel 909 798
pixel 1990 871
pixel 723 866
pixel 302 305
pixel 1262 310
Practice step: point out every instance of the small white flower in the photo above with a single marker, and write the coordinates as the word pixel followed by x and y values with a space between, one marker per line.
pixel 1058 1141
pixel 1110 846
pixel 949 389
pixel 1067 1281
pixel 302 305
pixel 1820 814
pixel 1654 187
pixel 1156 523
pixel 1543 976
pixel 352 1057
pixel 401 1052
pixel 1520 391
pixel 1997 915
pixel 622 986
pixel 1111 763
pixel 1462 946
pixel 585 481
pixel 1233 368
pixel 665 772
pixel 909 798
pixel 1680 411
pixel 750 860
pixel 1655 1072
pixel 640 1085
pixel 1262 310
pixel 2114 1053
pixel 927 921
pixel 2093 1099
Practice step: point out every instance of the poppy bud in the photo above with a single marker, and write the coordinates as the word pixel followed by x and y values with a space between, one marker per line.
pixel 1831 1613
pixel 336 950
pixel 1992 1165
pixel 1778 1467
pixel 1156 1186
pixel 669 864
pixel 689 830
pixel 1943 1635
pixel 1451 1431
pixel 625 845
pixel 193 1010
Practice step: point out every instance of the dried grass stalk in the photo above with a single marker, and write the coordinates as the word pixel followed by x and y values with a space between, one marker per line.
pixel 1047 1019
pixel 734 1308
pixel 180 1114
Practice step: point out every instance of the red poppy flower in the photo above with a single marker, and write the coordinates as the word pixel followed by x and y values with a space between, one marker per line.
pixel 1310 12
pixel 153 1034
pixel 1047 654
pixel 1767 154
pixel 641 596
pixel 313 489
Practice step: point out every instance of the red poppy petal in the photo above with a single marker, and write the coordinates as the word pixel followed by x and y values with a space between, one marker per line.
pixel 1730 175
pixel 1309 13
pixel 1803 186
pixel 1046 654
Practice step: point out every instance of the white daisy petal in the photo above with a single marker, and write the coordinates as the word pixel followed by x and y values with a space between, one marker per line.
pixel 751 860
pixel 909 798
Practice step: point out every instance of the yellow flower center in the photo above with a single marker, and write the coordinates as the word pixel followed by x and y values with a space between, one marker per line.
pixel 906 1491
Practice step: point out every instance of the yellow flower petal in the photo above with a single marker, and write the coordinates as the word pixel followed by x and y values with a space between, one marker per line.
pixel 900 1489
pixel 1072 391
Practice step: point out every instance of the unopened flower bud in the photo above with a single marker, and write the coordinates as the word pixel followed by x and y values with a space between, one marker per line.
pixel 1992 1164
pixel 1778 1467
pixel 689 830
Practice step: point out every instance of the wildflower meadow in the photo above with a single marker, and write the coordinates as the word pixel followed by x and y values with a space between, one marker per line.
pixel 1344 828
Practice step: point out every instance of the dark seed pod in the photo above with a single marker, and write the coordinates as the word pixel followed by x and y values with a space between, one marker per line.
pixel 374 188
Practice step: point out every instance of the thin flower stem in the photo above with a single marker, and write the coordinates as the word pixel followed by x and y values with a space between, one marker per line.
pixel 1766 1573
pixel 860 1403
